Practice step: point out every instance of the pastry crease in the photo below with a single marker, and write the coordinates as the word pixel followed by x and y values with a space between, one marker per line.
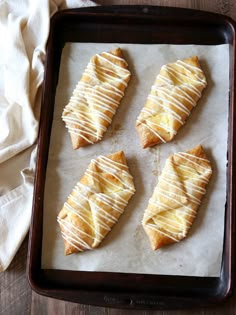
pixel 96 98
pixel 96 203
pixel 175 92
pixel 173 206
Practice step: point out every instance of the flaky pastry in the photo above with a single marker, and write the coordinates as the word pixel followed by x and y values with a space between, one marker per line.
pixel 96 98
pixel 175 92
pixel 96 203
pixel 173 206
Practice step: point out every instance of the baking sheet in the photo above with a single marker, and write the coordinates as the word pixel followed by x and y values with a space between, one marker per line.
pixel 126 248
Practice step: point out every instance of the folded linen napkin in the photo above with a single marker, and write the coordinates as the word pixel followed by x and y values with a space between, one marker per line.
pixel 24 28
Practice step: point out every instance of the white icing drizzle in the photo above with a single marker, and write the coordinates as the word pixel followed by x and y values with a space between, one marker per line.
pixel 181 224
pixel 161 205
pixel 165 221
pixel 98 177
pixel 71 236
pixel 168 110
pixel 153 214
pixel 194 156
pixel 191 174
pixel 91 68
pixel 171 100
pixel 114 165
pixel 183 65
pixel 190 184
pixel 193 89
pixel 116 57
pixel 164 79
pixel 166 101
pixel 111 90
pixel 183 95
pixel 103 97
pixel 186 65
pixel 83 105
pixel 163 126
pixel 82 214
pixel 113 64
pixel 181 191
pixel 96 97
pixel 109 201
pixel 191 196
pixel 97 210
pixel 175 99
pixel 185 156
pixel 153 131
pixel 175 73
pixel 174 198
pixel 154 227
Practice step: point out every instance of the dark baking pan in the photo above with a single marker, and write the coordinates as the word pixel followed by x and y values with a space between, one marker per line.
pixel 131 24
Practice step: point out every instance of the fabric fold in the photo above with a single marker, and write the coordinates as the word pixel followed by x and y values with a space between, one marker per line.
pixel 24 29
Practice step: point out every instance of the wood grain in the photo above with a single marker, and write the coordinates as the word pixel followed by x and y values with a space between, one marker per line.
pixel 226 7
pixel 15 294
pixel 43 305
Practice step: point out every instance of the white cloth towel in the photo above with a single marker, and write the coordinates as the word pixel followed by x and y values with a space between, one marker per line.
pixel 24 28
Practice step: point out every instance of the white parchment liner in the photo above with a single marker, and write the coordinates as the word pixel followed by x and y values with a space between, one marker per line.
pixel 126 248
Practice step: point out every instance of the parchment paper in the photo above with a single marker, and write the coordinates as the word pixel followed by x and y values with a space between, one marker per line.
pixel 126 248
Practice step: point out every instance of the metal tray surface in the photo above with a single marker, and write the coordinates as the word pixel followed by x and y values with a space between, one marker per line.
pixel 131 24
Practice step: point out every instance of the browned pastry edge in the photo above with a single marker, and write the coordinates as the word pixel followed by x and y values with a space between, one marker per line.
pixel 63 214
pixel 148 138
pixel 157 239
pixel 76 140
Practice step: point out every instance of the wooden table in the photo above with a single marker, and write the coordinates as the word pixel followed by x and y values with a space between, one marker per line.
pixel 16 297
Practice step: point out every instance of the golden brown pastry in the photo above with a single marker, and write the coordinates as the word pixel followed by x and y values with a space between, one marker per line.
pixel 175 92
pixel 96 98
pixel 96 203
pixel 177 196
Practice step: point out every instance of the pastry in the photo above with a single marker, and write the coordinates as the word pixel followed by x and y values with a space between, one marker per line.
pixel 96 203
pixel 96 98
pixel 173 206
pixel 175 92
